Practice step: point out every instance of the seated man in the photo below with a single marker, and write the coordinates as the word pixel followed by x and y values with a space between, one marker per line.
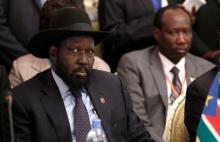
pixel 60 103
pixel 157 75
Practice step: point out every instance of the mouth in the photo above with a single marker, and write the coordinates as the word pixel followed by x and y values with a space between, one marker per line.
pixel 82 72
pixel 181 49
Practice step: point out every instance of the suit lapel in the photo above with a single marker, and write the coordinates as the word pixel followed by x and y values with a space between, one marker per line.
pixel 190 70
pixel 158 75
pixel 102 106
pixel 54 107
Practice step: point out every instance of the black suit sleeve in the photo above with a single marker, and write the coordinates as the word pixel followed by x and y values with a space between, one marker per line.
pixel 135 128
pixel 196 95
pixel 4 123
pixel 206 28
pixel 22 122
pixel 193 110
pixel 115 16
pixel 4 82
pixel 198 48
pixel 11 48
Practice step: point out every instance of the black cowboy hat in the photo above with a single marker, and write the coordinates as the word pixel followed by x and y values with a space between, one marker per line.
pixel 65 22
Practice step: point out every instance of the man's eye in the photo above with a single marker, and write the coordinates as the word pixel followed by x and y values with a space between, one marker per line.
pixel 187 32
pixel 90 52
pixel 75 50
pixel 173 33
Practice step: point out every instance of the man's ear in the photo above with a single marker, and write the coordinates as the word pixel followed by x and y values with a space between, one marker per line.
pixel 156 33
pixel 53 51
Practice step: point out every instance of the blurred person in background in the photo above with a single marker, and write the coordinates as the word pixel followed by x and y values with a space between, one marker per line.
pixel 131 22
pixel 19 22
pixel 206 27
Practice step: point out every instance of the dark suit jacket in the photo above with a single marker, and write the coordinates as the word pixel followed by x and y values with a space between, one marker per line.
pixel 195 100
pixel 131 22
pixel 40 115
pixel 19 21
pixel 143 73
pixel 4 88
pixel 206 28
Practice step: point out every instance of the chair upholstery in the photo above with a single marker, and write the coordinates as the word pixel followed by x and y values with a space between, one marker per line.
pixel 175 130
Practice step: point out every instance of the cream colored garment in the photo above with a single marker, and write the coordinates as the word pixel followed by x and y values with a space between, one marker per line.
pixel 175 129
pixel 27 66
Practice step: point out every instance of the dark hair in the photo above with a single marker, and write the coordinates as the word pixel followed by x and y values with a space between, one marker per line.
pixel 51 6
pixel 159 15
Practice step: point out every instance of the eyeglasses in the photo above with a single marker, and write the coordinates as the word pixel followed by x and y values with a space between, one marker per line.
pixel 79 52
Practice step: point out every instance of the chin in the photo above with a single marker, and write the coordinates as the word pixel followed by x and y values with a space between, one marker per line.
pixel 79 81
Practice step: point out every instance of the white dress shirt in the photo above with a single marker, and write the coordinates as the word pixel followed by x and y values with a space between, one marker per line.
pixel 164 3
pixel 167 66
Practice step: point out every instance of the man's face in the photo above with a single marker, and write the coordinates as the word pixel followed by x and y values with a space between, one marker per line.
pixel 73 60
pixel 175 35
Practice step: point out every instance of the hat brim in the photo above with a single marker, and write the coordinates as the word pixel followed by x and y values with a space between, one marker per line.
pixel 40 43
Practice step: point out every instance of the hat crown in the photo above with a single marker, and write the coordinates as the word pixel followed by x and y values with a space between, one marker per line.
pixel 64 23
pixel 68 16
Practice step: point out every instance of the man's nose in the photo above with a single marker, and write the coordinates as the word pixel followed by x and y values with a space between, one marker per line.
pixel 181 38
pixel 83 58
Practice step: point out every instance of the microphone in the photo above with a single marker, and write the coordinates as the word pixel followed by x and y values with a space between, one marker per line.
pixel 8 99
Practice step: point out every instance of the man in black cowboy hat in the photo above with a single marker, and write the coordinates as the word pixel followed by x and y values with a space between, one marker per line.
pixel 60 103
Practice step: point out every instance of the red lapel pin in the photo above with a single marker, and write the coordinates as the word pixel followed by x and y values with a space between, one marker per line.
pixel 102 100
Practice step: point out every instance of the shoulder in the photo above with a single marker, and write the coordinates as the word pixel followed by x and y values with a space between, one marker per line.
pixel 206 77
pixel 104 79
pixel 199 62
pixel 138 55
pixel 142 52
pixel 100 64
pixel 203 82
pixel 31 85
pixel 29 60
pixel 102 75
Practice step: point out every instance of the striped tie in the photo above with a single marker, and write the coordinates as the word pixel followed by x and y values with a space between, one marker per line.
pixel 176 83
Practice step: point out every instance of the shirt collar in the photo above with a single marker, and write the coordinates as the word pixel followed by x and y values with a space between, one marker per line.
pixel 168 65
pixel 62 86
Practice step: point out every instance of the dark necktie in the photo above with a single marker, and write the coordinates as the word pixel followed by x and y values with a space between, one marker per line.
pixel 156 4
pixel 81 117
pixel 176 83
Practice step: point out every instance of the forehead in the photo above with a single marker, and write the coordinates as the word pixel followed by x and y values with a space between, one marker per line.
pixel 174 17
pixel 82 40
